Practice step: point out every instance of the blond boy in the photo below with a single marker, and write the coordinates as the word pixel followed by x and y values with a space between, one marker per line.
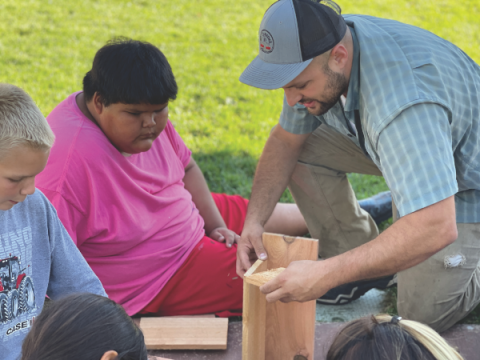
pixel 37 256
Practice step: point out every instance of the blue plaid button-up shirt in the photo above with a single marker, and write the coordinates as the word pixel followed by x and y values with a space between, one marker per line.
pixel 419 102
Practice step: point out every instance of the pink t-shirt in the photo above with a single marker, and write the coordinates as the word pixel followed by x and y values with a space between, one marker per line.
pixel 131 217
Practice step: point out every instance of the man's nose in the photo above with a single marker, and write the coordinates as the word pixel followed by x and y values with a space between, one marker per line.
pixel 293 96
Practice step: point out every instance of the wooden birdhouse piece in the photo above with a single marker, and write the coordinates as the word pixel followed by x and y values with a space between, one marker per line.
pixel 277 331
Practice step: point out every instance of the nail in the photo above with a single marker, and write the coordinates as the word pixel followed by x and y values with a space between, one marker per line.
pixel 263 256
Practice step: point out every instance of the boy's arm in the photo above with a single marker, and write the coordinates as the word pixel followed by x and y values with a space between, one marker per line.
pixel 69 272
pixel 196 185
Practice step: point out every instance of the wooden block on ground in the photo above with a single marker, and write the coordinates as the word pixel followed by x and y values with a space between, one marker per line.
pixel 192 316
pixel 278 331
pixel 136 320
pixel 170 333
pixel 260 278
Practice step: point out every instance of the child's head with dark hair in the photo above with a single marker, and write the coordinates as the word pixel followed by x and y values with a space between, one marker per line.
pixel 130 72
pixel 127 93
pixel 84 327
pixel 386 337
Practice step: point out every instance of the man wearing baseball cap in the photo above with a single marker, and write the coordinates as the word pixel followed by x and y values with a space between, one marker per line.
pixel 371 96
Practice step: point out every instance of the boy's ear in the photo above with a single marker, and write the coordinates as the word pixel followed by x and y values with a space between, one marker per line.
pixel 98 103
pixel 109 355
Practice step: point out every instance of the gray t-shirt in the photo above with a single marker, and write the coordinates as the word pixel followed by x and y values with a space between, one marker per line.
pixel 37 258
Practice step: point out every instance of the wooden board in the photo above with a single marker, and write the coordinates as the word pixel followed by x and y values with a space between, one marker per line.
pixel 170 333
pixel 254 309
pixel 261 278
pixel 193 316
pixel 136 320
pixel 279 331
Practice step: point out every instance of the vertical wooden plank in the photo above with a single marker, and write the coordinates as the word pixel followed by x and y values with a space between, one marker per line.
pixel 289 328
pixel 254 313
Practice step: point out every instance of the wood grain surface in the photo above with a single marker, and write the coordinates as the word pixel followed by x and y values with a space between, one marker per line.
pixel 169 333
pixel 278 331
pixel 260 278
pixel 254 310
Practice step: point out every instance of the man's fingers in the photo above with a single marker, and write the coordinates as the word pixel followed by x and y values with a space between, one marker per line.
pixel 278 294
pixel 271 286
pixel 259 249
pixel 243 262
pixel 250 248
pixel 240 271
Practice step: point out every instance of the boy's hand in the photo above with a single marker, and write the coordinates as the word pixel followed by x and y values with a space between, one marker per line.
pixel 222 234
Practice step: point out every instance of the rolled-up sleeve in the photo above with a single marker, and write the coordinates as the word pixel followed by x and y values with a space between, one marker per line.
pixel 297 119
pixel 416 156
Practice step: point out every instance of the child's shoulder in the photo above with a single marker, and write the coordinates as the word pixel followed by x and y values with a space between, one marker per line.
pixel 173 136
pixel 32 216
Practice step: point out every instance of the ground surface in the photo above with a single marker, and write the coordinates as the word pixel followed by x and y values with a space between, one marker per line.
pixel 463 337
pixel 47 46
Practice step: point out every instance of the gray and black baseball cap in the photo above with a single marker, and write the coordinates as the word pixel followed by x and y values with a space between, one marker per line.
pixel 291 34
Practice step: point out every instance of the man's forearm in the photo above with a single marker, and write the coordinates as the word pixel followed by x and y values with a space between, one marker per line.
pixel 408 242
pixel 274 170
pixel 273 173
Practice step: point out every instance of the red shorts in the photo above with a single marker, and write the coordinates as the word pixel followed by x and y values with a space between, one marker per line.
pixel 207 281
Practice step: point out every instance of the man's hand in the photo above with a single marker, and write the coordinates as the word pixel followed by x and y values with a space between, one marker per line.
pixel 222 234
pixel 301 281
pixel 250 248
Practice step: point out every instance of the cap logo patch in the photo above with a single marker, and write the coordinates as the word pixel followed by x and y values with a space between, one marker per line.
pixel 266 42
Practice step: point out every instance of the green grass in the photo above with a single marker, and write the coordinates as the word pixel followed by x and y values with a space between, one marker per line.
pixel 47 46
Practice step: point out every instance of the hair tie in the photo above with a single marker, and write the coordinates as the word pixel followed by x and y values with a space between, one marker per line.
pixel 395 319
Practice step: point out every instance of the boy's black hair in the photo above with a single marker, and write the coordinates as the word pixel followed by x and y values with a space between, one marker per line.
pixel 83 326
pixel 130 72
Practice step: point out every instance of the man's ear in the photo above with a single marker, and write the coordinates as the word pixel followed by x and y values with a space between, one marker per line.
pixel 97 102
pixel 109 355
pixel 338 57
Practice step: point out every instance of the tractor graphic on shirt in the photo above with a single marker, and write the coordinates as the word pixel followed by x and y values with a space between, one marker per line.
pixel 17 295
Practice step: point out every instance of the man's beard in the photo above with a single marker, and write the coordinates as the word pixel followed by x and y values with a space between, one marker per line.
pixel 336 85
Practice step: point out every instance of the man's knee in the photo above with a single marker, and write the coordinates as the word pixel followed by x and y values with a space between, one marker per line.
pixel 421 311
pixel 439 314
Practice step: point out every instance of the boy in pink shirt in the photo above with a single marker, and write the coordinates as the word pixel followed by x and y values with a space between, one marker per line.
pixel 133 199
